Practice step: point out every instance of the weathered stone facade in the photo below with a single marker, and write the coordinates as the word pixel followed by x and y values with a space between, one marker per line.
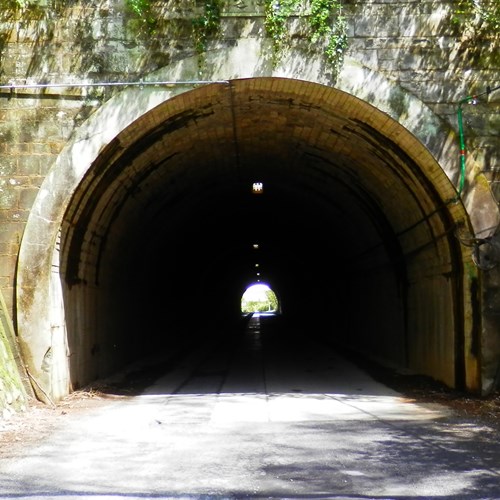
pixel 412 48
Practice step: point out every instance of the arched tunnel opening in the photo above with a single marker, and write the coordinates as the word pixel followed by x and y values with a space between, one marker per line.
pixel 354 227
pixel 259 296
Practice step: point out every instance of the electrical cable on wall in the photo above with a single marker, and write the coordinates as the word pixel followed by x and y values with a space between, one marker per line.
pixel 140 83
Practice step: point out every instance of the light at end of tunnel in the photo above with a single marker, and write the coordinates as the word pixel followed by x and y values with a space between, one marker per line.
pixel 257 188
pixel 256 246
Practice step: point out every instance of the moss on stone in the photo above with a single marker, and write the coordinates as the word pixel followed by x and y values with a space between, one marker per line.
pixel 12 395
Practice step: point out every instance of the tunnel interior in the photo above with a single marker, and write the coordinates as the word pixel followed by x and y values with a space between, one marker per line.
pixel 352 227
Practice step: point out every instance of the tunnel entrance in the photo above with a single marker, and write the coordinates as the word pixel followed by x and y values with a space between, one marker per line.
pixel 155 242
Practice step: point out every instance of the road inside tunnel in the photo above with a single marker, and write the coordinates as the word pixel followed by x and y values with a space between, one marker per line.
pixel 269 413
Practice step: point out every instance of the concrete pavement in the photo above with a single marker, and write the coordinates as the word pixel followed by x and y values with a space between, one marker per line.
pixel 266 422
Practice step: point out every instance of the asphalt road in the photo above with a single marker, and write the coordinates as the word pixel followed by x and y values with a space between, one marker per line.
pixel 264 420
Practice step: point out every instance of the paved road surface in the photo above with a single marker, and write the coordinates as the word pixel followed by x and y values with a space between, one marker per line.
pixel 261 420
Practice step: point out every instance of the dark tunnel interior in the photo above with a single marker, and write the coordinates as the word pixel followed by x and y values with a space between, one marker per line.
pixel 210 259
pixel 158 241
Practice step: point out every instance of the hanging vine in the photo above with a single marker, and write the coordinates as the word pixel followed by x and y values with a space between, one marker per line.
pixel 24 8
pixel 328 23
pixel 326 20
pixel 15 4
pixel 207 25
pixel 277 13
pixel 482 16
pixel 144 15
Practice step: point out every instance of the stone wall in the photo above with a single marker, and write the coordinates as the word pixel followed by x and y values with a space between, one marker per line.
pixel 414 44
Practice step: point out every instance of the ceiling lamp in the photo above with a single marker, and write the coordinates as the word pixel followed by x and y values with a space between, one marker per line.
pixel 257 188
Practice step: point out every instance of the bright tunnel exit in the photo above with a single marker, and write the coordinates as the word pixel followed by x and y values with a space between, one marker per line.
pixel 259 298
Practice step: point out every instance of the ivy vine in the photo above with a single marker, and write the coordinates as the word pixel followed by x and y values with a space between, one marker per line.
pixel 207 25
pixel 17 4
pixel 326 20
pixel 481 16
pixel 144 14
pixel 11 7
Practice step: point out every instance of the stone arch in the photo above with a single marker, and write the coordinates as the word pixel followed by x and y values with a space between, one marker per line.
pixel 40 305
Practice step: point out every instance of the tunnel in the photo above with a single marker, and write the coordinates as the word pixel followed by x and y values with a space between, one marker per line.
pixel 338 207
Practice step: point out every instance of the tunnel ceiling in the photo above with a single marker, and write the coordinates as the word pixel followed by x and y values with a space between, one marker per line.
pixel 171 197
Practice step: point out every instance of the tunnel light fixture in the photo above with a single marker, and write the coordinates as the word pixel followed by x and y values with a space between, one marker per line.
pixel 257 188
pixel 257 265
pixel 255 246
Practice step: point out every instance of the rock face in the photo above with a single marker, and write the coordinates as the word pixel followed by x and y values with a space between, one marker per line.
pixel 410 60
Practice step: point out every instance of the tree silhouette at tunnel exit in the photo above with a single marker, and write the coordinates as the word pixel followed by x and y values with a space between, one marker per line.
pixel 259 298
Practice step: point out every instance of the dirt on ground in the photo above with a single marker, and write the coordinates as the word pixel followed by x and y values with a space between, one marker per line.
pixel 421 389
pixel 483 409
pixel 40 419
